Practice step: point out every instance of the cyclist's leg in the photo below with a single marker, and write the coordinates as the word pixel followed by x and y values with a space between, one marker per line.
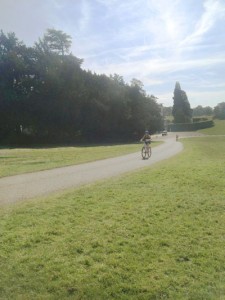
pixel 148 150
pixel 143 152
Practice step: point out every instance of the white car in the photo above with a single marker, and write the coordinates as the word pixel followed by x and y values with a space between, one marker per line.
pixel 164 132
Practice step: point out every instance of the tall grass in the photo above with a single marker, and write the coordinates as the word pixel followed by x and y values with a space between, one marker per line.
pixel 156 234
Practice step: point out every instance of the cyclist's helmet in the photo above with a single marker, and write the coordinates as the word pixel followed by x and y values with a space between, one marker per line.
pixel 146 131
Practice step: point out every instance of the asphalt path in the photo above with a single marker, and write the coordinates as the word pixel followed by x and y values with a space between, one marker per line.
pixel 32 185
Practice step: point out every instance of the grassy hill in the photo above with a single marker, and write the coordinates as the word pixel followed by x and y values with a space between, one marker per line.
pixel 218 129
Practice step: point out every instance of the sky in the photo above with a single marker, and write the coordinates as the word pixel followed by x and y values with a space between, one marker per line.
pixel 158 42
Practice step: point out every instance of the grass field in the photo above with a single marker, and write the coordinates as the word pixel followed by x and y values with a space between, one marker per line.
pixel 156 234
pixel 18 161
pixel 219 128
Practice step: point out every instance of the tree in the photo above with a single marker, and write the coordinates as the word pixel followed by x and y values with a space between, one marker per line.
pixel 117 79
pixel 208 111
pixel 219 111
pixel 136 83
pixel 167 111
pixel 202 111
pixel 198 111
pixel 56 41
pixel 16 82
pixel 44 91
pixel 182 111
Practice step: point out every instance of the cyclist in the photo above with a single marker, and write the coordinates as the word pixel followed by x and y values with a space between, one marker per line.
pixel 146 138
pixel 146 150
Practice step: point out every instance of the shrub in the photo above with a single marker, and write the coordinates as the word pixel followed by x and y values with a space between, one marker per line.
pixel 190 126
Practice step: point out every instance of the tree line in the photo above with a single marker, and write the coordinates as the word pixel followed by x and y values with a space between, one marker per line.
pixel 46 96
pixel 182 112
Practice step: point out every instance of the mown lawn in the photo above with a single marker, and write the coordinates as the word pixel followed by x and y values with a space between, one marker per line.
pixel 158 233
pixel 218 129
pixel 18 161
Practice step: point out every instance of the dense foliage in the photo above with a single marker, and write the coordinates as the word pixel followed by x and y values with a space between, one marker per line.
pixel 45 96
pixel 167 111
pixel 199 111
pixel 219 111
pixel 191 126
pixel 182 111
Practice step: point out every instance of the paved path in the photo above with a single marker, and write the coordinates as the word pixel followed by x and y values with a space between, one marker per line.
pixel 27 186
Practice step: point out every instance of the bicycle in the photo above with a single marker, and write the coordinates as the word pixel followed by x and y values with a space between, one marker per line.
pixel 146 150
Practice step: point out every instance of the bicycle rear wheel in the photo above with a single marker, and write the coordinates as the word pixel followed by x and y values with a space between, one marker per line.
pixel 149 152
pixel 144 153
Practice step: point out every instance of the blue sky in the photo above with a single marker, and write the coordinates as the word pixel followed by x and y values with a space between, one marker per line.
pixel 156 41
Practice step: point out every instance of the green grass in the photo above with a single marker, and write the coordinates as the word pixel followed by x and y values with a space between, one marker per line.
pixel 18 161
pixel 218 129
pixel 158 233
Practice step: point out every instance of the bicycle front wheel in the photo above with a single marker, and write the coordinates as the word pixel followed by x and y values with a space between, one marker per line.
pixel 144 153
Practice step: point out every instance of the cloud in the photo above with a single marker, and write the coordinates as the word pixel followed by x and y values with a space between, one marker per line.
pixel 157 66
pixel 156 41
pixel 213 11
pixel 85 16
pixel 28 19
pixel 203 98
pixel 206 98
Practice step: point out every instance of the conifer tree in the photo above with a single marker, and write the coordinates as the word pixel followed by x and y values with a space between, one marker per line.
pixel 182 111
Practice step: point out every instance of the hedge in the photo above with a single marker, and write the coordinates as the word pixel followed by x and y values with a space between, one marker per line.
pixel 190 126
